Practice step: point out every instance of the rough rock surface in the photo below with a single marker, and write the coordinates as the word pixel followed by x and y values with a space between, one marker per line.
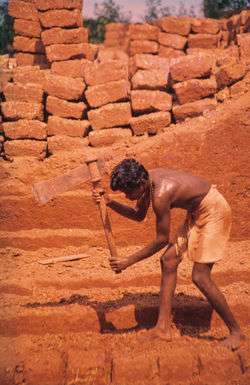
pixel 61 18
pixel 148 101
pixel 64 87
pixel 70 127
pixel 65 109
pixel 111 92
pixel 14 110
pixel 25 92
pixel 27 28
pixel 194 89
pixel 143 46
pixel 150 79
pixel 191 67
pixel 150 123
pixel 111 115
pixel 178 25
pixel 25 129
pixel 64 36
pixel 73 68
pixel 108 136
pixel 189 110
pixel 101 73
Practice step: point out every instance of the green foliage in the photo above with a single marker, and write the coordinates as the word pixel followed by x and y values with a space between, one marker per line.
pixel 106 12
pixel 95 30
pixel 216 8
pixel 6 28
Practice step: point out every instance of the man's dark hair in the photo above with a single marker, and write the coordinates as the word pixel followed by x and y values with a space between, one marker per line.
pixel 128 175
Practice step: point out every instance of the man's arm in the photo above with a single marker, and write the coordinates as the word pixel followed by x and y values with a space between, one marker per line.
pixel 162 212
pixel 137 214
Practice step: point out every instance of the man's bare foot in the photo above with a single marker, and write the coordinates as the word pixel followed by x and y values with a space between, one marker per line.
pixel 167 334
pixel 234 341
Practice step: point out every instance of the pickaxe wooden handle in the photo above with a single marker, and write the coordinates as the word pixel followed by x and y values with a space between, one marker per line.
pixel 96 182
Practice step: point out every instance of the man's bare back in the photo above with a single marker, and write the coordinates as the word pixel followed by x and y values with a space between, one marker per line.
pixel 184 190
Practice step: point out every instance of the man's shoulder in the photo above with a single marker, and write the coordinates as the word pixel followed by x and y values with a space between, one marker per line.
pixel 164 189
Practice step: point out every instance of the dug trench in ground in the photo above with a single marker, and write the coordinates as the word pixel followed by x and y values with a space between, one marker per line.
pixel 80 323
pixel 92 291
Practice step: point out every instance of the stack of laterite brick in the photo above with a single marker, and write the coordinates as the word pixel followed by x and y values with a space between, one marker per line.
pixel 143 39
pixel 243 41
pixel 243 38
pixel 173 36
pixel 149 80
pixel 116 35
pixel 229 65
pixel 150 97
pixel 64 39
pixel 205 33
pixel 7 65
pixel 198 76
pixel 194 85
pixel 23 112
pixel 234 25
pixel 28 46
pixel 224 59
pixel 108 95
pixel 227 74
pixel 224 40
pixel 231 69
pixel 245 21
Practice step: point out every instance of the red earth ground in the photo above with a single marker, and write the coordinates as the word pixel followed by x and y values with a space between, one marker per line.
pixel 79 323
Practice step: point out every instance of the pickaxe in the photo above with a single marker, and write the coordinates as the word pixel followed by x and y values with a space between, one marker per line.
pixel 46 190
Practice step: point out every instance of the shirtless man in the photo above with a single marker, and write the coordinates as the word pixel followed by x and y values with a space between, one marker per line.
pixel 203 237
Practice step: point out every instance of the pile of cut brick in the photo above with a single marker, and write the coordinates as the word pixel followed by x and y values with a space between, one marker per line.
pixel 28 45
pixel 23 111
pixel 151 102
pixel 65 40
pixel 67 94
pixel 174 36
pixel 108 95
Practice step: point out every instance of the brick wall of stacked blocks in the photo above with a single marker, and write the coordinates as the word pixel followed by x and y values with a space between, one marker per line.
pixel 65 94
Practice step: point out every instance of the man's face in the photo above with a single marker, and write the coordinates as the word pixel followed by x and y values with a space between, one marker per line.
pixel 135 194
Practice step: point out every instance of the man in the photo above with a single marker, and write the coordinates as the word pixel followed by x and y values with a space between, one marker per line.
pixel 203 237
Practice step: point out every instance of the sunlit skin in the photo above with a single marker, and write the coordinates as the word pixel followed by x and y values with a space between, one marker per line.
pixel 166 189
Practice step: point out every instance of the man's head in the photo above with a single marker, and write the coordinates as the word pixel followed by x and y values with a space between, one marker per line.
pixel 130 177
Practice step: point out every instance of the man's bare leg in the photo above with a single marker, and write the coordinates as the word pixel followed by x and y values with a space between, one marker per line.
pixel 169 265
pixel 201 276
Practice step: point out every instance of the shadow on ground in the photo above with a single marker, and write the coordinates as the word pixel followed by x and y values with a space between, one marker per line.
pixel 191 315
